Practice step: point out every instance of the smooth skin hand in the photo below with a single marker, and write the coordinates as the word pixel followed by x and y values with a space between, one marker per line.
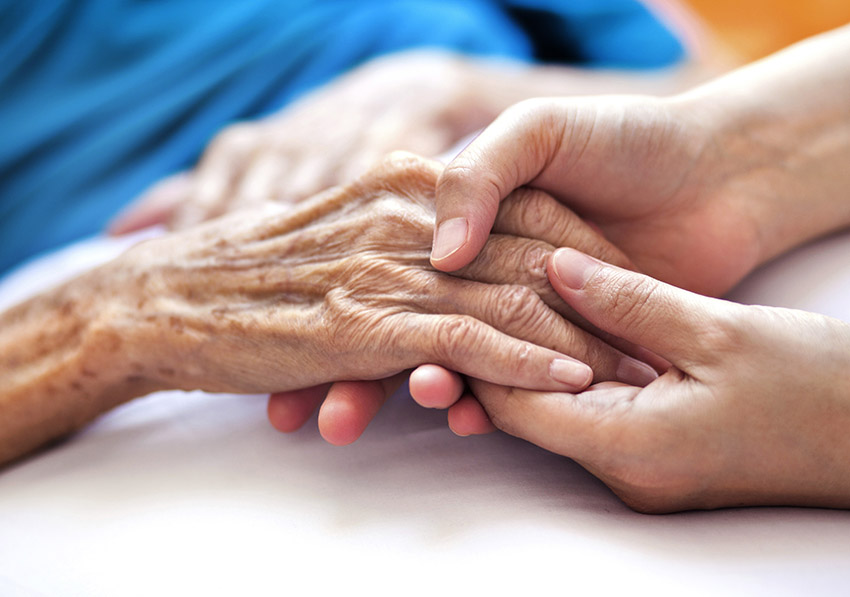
pixel 697 189
pixel 754 411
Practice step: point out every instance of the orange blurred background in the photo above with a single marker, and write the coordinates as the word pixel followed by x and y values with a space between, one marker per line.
pixel 751 29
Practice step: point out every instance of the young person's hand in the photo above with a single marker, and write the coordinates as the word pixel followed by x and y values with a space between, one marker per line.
pixel 754 411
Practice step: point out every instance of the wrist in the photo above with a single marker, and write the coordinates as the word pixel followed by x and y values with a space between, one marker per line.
pixel 64 363
pixel 779 134
pixel 123 339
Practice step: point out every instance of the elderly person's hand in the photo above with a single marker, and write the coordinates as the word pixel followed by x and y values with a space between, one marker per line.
pixel 755 410
pixel 419 101
pixel 275 299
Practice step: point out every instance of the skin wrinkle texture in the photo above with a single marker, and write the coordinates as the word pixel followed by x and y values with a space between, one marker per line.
pixel 278 298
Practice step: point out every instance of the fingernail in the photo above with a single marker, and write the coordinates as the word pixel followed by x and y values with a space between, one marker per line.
pixel 571 373
pixel 573 268
pixel 451 236
pixel 635 373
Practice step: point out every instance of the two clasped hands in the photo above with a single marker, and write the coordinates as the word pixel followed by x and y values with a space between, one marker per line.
pixel 722 404
pixel 568 278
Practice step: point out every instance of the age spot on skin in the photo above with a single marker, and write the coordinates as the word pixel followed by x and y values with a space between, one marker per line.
pixel 175 324
pixel 67 308
pixel 167 371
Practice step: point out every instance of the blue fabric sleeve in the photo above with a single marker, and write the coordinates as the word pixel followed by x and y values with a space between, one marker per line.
pixel 101 98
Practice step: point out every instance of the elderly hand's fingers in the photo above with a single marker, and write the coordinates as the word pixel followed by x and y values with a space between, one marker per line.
pixel 433 386
pixel 258 183
pixel 222 164
pixel 351 405
pixel 518 311
pixel 154 207
pixel 508 260
pixel 530 213
pixel 288 411
pixel 467 417
pixel 465 344
pixel 509 153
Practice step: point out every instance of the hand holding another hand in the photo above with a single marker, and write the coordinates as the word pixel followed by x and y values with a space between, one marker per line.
pixel 754 411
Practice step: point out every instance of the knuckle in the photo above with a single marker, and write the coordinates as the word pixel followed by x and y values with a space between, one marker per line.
pixel 517 307
pixel 520 358
pixel 455 338
pixel 534 260
pixel 402 172
pixel 535 208
pixel 629 296
pixel 235 137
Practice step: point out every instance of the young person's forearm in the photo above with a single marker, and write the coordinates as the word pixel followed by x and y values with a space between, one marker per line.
pixel 62 363
pixel 785 124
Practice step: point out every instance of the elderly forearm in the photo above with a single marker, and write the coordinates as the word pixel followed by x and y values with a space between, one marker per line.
pixel 784 123
pixel 63 363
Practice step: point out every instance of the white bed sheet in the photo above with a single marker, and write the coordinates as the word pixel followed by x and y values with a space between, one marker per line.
pixel 189 494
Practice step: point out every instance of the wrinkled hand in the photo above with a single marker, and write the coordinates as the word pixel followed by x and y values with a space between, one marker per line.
pixel 347 407
pixel 418 101
pixel 755 411
pixel 274 299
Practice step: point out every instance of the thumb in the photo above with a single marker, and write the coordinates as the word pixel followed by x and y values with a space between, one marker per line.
pixel 509 153
pixel 663 318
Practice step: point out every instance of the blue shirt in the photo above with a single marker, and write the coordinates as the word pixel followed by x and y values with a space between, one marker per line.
pixel 101 98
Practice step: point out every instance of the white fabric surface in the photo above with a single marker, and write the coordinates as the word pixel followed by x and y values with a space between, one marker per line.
pixel 191 494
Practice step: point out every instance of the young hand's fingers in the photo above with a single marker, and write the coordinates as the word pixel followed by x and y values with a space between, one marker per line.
pixel 288 411
pixel 574 425
pixel 154 207
pixel 667 320
pixel 433 386
pixel 351 405
pixel 467 417
pixel 509 153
